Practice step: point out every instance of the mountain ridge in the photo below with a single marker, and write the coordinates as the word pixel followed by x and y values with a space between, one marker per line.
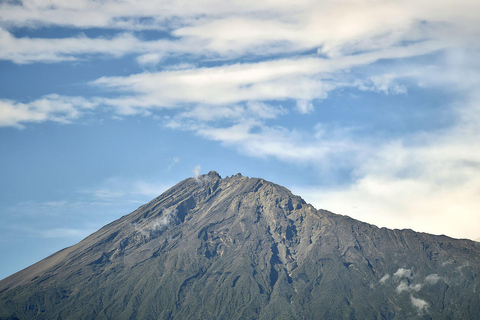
pixel 242 247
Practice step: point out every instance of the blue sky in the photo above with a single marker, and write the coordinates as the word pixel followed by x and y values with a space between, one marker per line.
pixel 365 108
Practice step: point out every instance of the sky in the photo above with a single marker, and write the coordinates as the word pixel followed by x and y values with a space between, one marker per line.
pixel 366 108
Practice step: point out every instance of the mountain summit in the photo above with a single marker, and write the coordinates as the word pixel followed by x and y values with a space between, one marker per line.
pixel 245 248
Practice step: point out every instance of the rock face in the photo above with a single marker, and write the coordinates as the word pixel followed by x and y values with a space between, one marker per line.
pixel 240 248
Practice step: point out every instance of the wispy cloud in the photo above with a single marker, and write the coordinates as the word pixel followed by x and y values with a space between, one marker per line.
pixel 299 78
pixel 403 273
pixel 258 140
pixel 432 278
pixel 175 160
pixel 25 50
pixel 196 171
pixel 405 286
pixel 157 225
pixel 48 108
pixel 65 233
pixel 420 304
pixel 239 28
pixel 115 188
pixel 149 59
pixel 40 230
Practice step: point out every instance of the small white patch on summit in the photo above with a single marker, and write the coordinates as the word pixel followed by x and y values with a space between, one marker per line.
pixel 196 171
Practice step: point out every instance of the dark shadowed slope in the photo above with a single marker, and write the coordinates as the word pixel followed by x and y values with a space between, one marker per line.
pixel 240 248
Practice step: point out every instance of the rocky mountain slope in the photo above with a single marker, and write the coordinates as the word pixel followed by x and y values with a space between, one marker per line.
pixel 241 248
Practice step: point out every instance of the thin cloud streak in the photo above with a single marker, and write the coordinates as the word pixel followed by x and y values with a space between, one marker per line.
pixel 29 50
pixel 116 188
pixel 302 79
pixel 48 108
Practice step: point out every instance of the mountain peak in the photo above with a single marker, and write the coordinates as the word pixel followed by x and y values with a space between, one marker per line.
pixel 214 174
pixel 244 247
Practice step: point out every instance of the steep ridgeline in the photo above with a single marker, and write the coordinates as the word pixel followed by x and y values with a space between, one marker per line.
pixel 240 248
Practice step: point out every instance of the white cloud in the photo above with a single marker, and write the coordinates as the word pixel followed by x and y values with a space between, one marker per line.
pixel 419 303
pixel 232 29
pixel 405 286
pixel 304 106
pixel 332 28
pixel 149 59
pixel 403 273
pixel 28 50
pixel 300 78
pixel 48 108
pixel 385 83
pixel 272 80
pixel 236 28
pixel 432 278
pixel 254 138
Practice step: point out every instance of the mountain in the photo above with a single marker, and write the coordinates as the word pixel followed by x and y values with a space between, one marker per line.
pixel 245 248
